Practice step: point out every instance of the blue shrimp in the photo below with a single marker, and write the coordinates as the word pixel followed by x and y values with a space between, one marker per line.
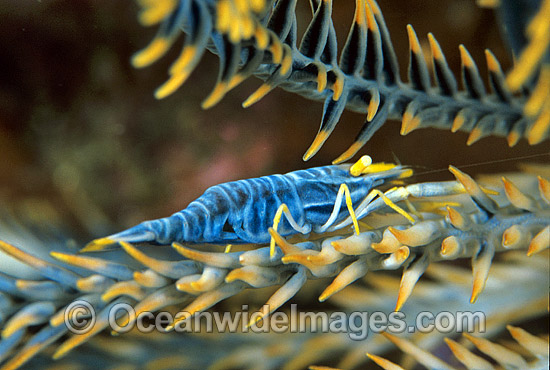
pixel 243 211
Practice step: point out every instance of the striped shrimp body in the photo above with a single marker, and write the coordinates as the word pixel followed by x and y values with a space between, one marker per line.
pixel 243 211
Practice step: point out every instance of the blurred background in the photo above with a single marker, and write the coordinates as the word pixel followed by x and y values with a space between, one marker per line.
pixel 84 143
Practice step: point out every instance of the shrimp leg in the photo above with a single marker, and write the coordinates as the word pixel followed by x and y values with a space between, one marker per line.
pixel 344 190
pixel 388 198
pixel 283 210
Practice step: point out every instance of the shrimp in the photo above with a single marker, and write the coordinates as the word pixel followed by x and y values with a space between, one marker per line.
pixel 242 211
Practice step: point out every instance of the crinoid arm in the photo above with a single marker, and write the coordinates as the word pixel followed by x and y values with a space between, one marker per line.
pixel 479 226
pixel 366 78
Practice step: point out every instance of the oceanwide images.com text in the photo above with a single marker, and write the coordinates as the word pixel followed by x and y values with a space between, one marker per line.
pixel 80 317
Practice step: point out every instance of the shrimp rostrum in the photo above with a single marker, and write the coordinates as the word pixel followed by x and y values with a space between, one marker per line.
pixel 243 211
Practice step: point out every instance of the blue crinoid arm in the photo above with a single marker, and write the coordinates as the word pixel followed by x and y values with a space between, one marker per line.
pixel 260 38
pixel 514 18
pixel 34 310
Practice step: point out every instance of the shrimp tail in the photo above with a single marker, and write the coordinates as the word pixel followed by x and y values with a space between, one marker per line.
pixel 162 231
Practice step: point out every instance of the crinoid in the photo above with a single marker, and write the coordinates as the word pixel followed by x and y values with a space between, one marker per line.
pixel 343 241
pixel 364 77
